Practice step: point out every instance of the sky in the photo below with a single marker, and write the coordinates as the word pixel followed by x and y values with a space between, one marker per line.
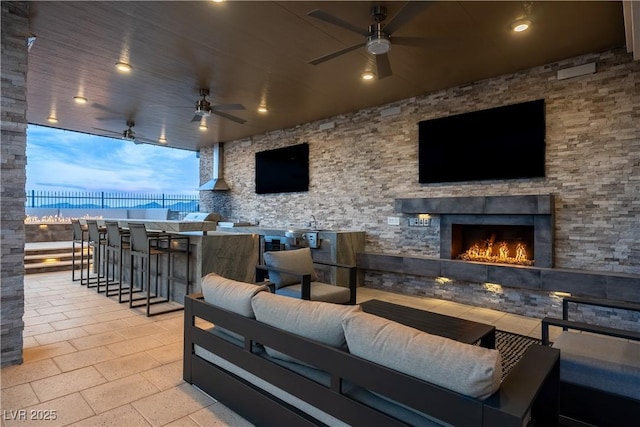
pixel 59 160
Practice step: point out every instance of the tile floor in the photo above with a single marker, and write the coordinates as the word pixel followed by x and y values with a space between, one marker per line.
pixel 89 361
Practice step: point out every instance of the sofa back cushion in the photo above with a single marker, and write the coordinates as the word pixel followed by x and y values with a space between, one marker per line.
pixel 230 294
pixel 319 321
pixel 297 260
pixel 467 369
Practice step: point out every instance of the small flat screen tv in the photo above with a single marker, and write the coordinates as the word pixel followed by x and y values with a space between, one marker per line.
pixel 499 143
pixel 283 170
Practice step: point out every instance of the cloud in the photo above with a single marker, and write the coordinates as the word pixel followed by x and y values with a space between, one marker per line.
pixel 59 160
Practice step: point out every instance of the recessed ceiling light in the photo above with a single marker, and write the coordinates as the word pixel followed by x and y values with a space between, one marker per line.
pixel 80 99
pixel 123 66
pixel 203 127
pixel 521 25
pixel 217 1
pixel 162 140
pixel 52 119
pixel 262 109
pixel 367 75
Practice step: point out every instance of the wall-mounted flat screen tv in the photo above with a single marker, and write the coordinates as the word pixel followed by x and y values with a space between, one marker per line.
pixel 283 170
pixel 499 143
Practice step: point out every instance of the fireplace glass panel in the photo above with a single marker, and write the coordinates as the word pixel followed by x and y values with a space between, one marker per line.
pixel 508 244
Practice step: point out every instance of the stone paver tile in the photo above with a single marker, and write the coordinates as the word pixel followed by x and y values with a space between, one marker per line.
pixel 122 416
pixel 31 354
pixel 27 372
pixel 101 327
pixel 114 315
pixel 55 309
pixel 96 340
pixel 40 319
pixel 29 342
pixel 218 415
pixel 482 315
pixel 57 336
pixel 126 365
pixel 170 405
pixel 67 383
pixel 183 422
pixel 165 376
pixel 18 397
pixel 80 359
pixel 141 331
pixel 117 393
pixel 134 345
pixel 517 324
pixel 167 353
pixel 73 323
pixel 61 412
pixel 170 337
pixel 30 331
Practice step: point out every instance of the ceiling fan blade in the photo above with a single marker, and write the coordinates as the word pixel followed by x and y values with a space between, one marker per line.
pixel 107 130
pixel 406 13
pixel 103 108
pixel 327 17
pixel 229 116
pixel 336 54
pixel 196 118
pixel 412 41
pixel 383 65
pixel 228 107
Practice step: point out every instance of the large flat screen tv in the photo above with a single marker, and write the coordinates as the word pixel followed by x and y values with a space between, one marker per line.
pixel 499 143
pixel 283 170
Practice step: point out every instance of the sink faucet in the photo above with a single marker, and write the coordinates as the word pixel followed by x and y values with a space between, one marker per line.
pixel 313 224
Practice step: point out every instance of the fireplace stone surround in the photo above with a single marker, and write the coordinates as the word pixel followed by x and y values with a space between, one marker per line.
pixel 607 285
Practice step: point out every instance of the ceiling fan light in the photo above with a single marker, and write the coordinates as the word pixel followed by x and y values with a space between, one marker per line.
pixel 378 45
pixel 123 66
pixel 521 25
pixel 80 99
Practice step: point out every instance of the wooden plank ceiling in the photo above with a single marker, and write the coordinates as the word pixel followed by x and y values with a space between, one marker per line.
pixel 254 53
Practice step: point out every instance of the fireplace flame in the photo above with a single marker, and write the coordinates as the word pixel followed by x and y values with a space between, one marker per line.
pixel 484 252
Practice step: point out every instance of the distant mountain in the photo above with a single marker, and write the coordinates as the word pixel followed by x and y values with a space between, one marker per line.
pixel 185 206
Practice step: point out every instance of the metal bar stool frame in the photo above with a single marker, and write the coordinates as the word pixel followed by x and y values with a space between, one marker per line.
pixel 117 243
pixel 97 241
pixel 144 246
pixel 79 235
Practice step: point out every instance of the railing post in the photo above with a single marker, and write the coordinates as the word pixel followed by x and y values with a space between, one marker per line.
pixel 102 199
pixel 163 200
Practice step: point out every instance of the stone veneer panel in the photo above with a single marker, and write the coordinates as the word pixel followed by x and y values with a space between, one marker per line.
pixel 366 161
pixel 15 25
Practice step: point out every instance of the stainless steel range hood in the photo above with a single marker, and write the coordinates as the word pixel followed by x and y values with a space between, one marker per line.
pixel 217 182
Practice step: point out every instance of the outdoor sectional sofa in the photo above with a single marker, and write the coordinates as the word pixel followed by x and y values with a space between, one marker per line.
pixel 281 361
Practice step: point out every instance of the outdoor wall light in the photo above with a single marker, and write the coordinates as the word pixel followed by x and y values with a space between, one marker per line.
pixel 123 66
pixel 80 99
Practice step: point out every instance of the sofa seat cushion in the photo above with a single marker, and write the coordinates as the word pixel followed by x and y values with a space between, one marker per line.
pixel 604 363
pixel 319 292
pixel 319 321
pixel 297 260
pixel 467 369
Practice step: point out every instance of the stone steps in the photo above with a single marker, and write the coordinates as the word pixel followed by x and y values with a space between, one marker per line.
pixel 51 256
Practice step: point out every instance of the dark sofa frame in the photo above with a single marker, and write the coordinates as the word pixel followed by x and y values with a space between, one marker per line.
pixel 530 391
pixel 582 405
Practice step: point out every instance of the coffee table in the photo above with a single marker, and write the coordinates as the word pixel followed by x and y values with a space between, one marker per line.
pixel 457 329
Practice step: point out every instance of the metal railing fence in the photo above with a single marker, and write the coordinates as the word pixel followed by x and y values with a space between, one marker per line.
pixel 183 203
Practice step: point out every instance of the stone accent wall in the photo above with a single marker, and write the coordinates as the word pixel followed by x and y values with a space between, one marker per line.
pixel 15 28
pixel 358 168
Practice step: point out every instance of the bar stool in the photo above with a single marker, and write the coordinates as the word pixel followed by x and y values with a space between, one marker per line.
pixel 97 242
pixel 117 245
pixel 79 235
pixel 143 248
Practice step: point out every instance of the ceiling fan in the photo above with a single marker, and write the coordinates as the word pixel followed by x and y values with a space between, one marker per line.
pixel 128 134
pixel 378 36
pixel 205 109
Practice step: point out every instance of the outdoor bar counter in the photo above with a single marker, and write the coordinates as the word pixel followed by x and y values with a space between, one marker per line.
pixel 232 255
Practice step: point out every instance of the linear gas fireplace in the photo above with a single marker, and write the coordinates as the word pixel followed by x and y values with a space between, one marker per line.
pixel 514 230
pixel 503 244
